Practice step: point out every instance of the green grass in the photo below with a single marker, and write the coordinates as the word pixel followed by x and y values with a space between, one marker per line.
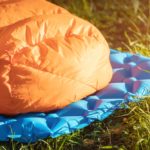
pixel 126 26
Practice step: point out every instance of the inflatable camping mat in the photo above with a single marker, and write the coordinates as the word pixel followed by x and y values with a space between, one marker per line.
pixel 130 83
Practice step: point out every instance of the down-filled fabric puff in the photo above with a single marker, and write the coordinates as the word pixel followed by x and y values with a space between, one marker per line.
pixel 49 58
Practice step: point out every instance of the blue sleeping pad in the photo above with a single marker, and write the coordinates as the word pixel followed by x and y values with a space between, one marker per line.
pixel 130 82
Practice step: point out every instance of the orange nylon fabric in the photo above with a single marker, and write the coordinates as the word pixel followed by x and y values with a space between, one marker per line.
pixel 49 58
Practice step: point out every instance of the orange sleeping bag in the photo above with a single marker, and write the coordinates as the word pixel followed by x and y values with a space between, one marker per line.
pixel 49 58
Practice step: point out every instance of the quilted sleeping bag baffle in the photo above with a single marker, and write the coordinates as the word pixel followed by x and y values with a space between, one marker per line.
pixel 49 57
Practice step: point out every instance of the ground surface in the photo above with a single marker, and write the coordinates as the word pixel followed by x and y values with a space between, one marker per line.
pixel 126 26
